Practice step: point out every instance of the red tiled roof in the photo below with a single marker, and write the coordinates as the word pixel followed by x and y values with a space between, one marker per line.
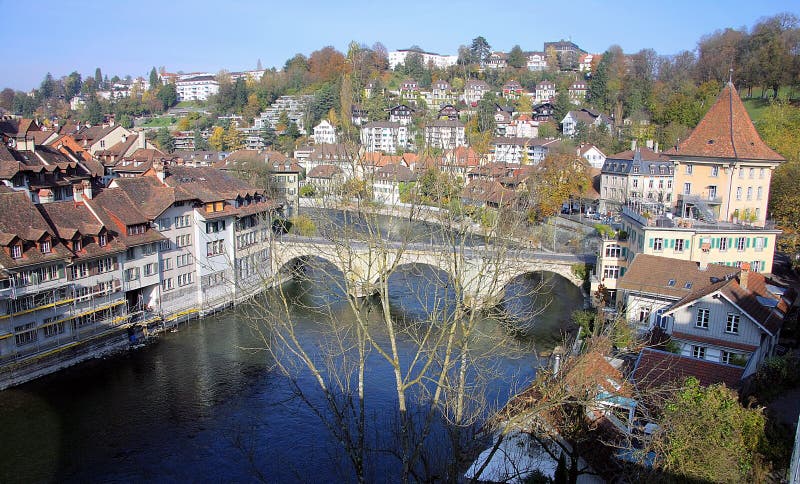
pixel 726 131
pixel 656 368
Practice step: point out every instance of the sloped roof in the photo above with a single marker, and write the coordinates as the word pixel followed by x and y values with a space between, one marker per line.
pixel 324 171
pixel 726 131
pixel 395 172
pixel 656 368
pixel 149 195
pixel 652 274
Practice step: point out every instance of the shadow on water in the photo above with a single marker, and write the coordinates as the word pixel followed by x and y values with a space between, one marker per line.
pixel 201 405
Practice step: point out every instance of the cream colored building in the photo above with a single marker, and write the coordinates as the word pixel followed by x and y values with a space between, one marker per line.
pixel 723 169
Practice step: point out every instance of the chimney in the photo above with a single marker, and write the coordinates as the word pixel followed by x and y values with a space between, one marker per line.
pixel 46 195
pixel 160 168
pixel 702 265
pixel 655 147
pixel 77 193
pixel 743 276
pixel 141 141
pixel 87 189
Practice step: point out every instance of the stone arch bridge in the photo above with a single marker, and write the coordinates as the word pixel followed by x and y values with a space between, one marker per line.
pixel 484 271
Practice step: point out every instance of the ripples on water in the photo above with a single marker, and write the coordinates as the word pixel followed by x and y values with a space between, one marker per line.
pixel 198 405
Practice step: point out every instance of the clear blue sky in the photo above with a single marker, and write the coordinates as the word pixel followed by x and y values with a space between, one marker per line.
pixel 130 37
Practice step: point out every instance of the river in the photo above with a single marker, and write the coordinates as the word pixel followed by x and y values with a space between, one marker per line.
pixel 200 405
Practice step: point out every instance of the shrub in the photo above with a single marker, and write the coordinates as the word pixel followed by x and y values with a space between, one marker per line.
pixel 302 225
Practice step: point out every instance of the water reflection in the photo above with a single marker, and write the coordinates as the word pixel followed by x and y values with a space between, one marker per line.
pixel 203 405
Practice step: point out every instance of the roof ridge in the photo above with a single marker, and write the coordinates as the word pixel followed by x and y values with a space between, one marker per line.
pixel 730 127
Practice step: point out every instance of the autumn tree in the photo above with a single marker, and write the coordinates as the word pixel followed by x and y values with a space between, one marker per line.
pixel 325 65
pixel 556 178
pixel 516 58
pixel 707 435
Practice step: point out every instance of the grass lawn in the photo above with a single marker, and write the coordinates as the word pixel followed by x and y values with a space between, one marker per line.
pixel 162 121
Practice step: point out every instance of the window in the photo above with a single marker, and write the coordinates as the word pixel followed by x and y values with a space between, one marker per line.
pixel 679 245
pixel 689 169
pixel 214 227
pixel 752 172
pixel 730 358
pixel 635 183
pixel 166 264
pixel 183 221
pixel 167 284
pixel 183 260
pixel 215 247
pixel 671 283
pixel 738 193
pixel 687 188
pixel 761 173
pixel 105 265
pixel 183 240
pixel 610 272
pixel 699 352
pixel 185 279
pixel 723 244
pixel 25 334
pixel 759 243
pixel 703 315
pixel 16 251
pixel 712 192
pixel 749 193
pixel 132 274
pixel 669 184
pixel 658 244
pixel 732 324
pixel 149 249
pixel 131 253
pixel 53 329
pixel 102 240
pixel 714 171
pixel 163 223
pixel 759 193
pixel 77 245
pixel 164 245
pixel 613 251
pixel 137 229
pixel 650 183
pixel 79 271
pixel 740 244
pixel 150 269
pixel 45 247
pixel 644 313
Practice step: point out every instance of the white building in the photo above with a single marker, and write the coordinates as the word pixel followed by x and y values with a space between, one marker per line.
pixel 324 132
pixel 198 88
pixel 445 134
pixel 384 136
pixel 398 57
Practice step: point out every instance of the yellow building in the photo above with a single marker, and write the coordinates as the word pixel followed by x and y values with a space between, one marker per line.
pixel 723 169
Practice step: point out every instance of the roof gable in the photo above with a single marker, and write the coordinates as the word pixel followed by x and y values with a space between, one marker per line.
pixel 726 131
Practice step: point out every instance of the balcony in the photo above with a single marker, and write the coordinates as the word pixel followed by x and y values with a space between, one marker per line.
pixel 707 197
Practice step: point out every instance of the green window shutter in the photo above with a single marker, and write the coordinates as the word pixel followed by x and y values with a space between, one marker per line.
pixel 730 242
pixel 621 271
pixel 650 242
pixel 748 242
pixel 763 265
pixel 671 243
pixel 688 243
pixel 624 251
pixel 766 243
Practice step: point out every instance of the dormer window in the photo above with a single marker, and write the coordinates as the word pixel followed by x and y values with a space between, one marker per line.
pixel 77 245
pixel 102 240
pixel 44 246
pixel 16 251
pixel 137 229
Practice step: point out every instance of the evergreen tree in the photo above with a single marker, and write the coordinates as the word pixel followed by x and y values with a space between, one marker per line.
pixel 200 143
pixel 516 58
pixel 98 78
pixel 72 85
pixel 47 88
pixel 154 80
pixel 479 50
pixel 165 141
pixel 94 112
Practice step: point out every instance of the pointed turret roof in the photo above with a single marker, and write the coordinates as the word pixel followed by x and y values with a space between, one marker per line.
pixel 726 131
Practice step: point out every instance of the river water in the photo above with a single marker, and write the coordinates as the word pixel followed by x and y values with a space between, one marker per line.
pixel 201 405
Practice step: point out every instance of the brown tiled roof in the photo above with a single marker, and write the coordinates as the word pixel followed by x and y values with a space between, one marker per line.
pixel 645 153
pixel 488 191
pixel 149 195
pixel 208 184
pixel 326 152
pixel 651 274
pixel 69 217
pixel 395 172
pixel 116 210
pixel 20 218
pixel 324 171
pixel 726 131
pixel 746 299
pixel 656 368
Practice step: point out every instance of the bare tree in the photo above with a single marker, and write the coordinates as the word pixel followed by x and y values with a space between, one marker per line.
pixel 440 361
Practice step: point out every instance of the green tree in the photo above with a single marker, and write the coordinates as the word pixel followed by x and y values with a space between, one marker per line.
pixel 200 143
pixel 98 77
pixel 267 134
pixel 165 141
pixel 94 111
pixel 154 80
pixel 486 110
pixel 72 85
pixel 47 87
pixel 516 58
pixel 479 50
pixel 168 96
pixel 707 435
